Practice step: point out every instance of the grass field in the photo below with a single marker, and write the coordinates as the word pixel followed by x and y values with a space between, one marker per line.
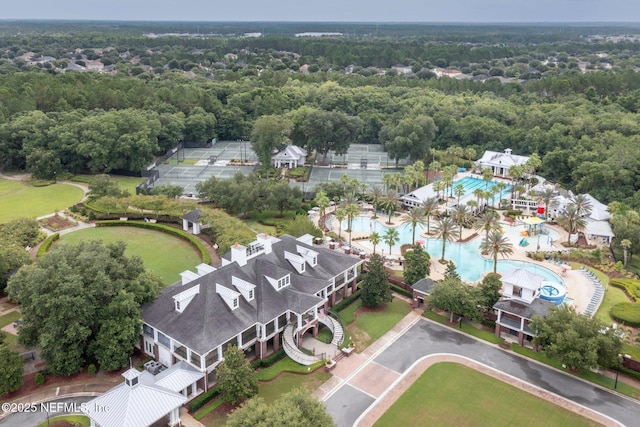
pixel 448 394
pixel 157 250
pixel 18 200
pixel 371 325
pixel 77 420
pixel 612 296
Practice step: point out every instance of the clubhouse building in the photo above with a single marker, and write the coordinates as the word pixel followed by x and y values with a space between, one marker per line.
pixel 264 296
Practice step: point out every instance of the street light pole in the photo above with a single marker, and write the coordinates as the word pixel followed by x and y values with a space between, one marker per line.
pixel 615 384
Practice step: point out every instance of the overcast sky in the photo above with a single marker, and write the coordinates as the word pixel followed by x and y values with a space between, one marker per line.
pixel 328 10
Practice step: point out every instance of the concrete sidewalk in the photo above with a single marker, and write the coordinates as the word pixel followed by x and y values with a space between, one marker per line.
pixel 348 367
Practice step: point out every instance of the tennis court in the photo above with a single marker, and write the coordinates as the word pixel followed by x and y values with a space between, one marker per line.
pixel 188 166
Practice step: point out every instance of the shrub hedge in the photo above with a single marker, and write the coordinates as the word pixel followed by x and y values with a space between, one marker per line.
pixel 402 291
pixel 347 301
pixel 204 252
pixel 630 286
pixel 204 398
pixel 268 361
pixel 44 247
pixel 627 313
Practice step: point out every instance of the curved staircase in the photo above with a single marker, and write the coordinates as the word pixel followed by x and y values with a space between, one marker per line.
pixel 292 350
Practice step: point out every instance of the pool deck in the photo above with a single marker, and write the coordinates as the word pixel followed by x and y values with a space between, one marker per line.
pixel 579 288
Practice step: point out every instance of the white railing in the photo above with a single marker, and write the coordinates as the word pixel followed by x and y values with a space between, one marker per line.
pixel 336 329
pixel 290 348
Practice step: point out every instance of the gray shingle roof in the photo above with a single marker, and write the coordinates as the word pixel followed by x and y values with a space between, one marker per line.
pixel 424 285
pixel 207 321
pixel 538 307
pixel 193 216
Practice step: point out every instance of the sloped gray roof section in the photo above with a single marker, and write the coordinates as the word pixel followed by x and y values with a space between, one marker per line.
pixel 424 285
pixel 538 307
pixel 207 321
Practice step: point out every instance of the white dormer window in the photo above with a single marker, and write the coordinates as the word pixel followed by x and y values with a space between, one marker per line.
pixel 297 261
pixel 287 279
pixel 308 255
pixel 229 296
pixel 183 299
pixel 245 288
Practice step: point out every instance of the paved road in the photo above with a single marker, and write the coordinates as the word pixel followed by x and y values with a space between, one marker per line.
pixel 425 338
pixel 38 414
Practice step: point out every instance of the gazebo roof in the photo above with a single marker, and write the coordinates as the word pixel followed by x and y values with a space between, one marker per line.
pixel 533 220
pixel 523 279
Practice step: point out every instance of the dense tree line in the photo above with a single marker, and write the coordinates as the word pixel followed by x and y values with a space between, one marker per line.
pixel 81 303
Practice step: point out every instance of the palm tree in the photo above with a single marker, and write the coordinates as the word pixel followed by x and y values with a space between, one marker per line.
pixel 515 172
pixel 439 186
pixel 549 199
pixel 473 206
pixel 533 163
pixel 478 192
pixel 340 214
pixel 415 216
pixel 571 221
pixel 435 167
pixel 390 237
pixel 429 206
pixel 376 193
pixel 583 205
pixel 496 244
pixel 492 193
pixel 391 202
pixel 460 214
pixel 459 191
pixel 446 230
pixel 626 244
pixel 374 238
pixel 387 178
pixel 470 153
pixel 487 175
pixel 351 211
pixel 501 186
pixel 489 221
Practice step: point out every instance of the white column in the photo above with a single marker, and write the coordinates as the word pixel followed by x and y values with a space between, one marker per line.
pixel 174 416
pixel 185 225
pixel 522 323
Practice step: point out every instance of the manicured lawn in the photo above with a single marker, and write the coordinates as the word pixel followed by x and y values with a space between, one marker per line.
pixel 9 318
pixel 286 381
pixel 78 420
pixel 18 200
pixel 455 395
pixel 585 375
pixel 271 390
pixel 612 296
pixel 466 328
pixel 348 314
pixel 285 365
pixel 371 325
pixel 12 342
pixel 127 183
pixel 162 254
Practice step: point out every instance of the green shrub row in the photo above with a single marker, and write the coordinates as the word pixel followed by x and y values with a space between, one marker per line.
pixel 402 291
pixel 204 253
pixel 269 360
pixel 629 372
pixel 627 313
pixel 630 286
pixel 204 398
pixel 347 301
pixel 44 247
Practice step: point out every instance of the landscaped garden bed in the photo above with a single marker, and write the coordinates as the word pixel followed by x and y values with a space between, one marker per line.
pixel 56 223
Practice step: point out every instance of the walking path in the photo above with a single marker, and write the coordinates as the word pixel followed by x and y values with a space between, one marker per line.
pixel 364 385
